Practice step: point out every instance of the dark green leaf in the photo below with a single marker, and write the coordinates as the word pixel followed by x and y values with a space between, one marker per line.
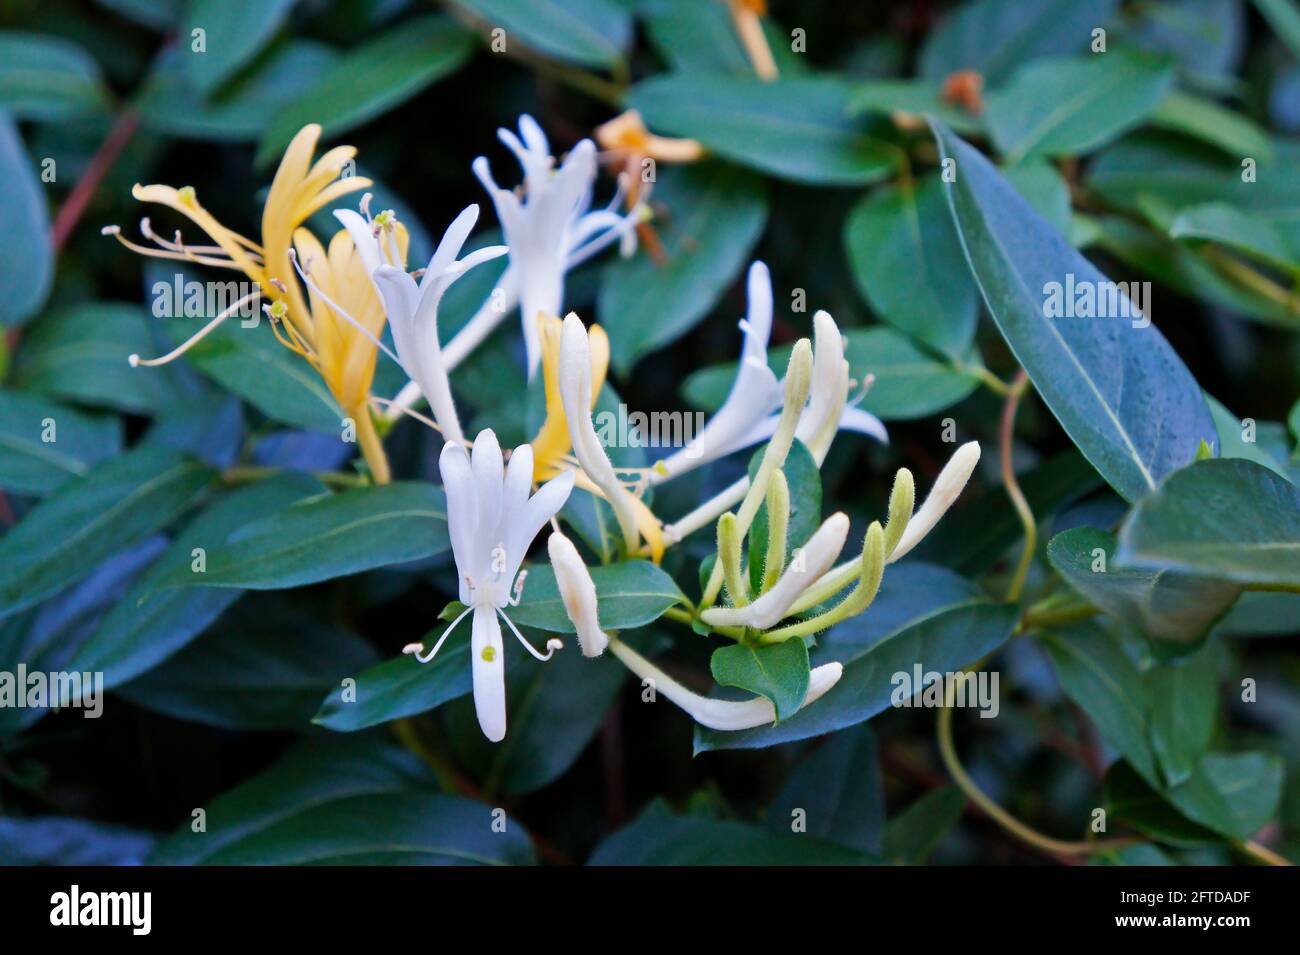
pixel 840 792
pixel 371 79
pixel 1226 518
pixel 1184 704
pixel 150 624
pixel 914 833
pixel 792 128
pixel 115 505
pixel 917 97
pixel 31 464
pixel 1118 389
pixel 1167 605
pixel 26 256
pixel 48 79
pixel 995 37
pixel 718 213
pixel 778 672
pixel 327 536
pixel 590 32
pixel 234 32
pixel 1211 123
pixel 908 263
pixel 1066 107
pixel 630 594
pixel 61 840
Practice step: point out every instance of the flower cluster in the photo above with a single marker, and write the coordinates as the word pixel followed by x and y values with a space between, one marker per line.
pixel 330 305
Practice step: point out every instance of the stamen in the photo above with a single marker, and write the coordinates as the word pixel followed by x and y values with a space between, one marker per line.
pixel 364 205
pixel 414 648
pixel 135 360
pixel 116 232
pixel 339 310
pixel 551 645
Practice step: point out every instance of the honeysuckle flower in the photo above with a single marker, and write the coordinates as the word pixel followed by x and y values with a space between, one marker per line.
pixel 635 520
pixel 491 520
pixel 413 308
pixel 552 444
pixel 813 560
pixel 578 593
pixel 340 347
pixel 552 228
pixel 905 529
pixel 750 413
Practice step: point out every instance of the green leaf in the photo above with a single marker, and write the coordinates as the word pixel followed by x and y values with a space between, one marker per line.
pixel 1184 705
pixel 1211 123
pixel 908 264
pixel 48 79
pixel 115 505
pixel 629 594
pixel 235 31
pixel 1167 605
pixel 1098 675
pixel 945 641
pixel 252 364
pixel 588 32
pixel 914 833
pixel 1045 189
pixel 168 104
pixel 1225 518
pixel 1067 107
pixel 26 256
pixel 353 801
pixel 997 36
pixel 151 623
pixel 554 710
pixel 793 128
pixel 1129 798
pixel 60 840
pixel 1274 240
pixel 265 666
pixel 31 464
pixel 80 355
pixel 401 686
pixel 327 536
pixel 778 671
pixel 371 79
pixel 885 97
pixel 840 791
pixel 701 37
pixel 1284 18
pixel 660 838
pixel 1119 390
pixel 718 213
pixel 1232 432
pixel 908 592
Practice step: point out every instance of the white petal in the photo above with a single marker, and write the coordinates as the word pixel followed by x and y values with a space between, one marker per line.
pixel 578 592
pixel 539 509
pixel 453 240
pixel 947 486
pixel 489 669
pixel 721 714
pixel 818 556
pixel 489 482
pixel 462 512
pixel 830 387
pixel 864 422
pixel 363 237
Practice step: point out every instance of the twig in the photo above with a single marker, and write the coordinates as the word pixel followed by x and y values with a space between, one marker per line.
pixel 1005 435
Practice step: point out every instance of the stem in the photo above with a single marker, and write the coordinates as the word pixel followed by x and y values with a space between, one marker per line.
pixel 124 127
pixel 372 449
pixel 948 751
pixel 1252 280
pixel 245 474
pixel 1263 853
pixel 1280 588
pixel 1055 611
pixel 1016 389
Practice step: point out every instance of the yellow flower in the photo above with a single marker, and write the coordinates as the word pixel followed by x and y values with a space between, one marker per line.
pixel 552 445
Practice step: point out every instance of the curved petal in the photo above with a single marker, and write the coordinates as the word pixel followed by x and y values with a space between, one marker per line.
pixel 488 662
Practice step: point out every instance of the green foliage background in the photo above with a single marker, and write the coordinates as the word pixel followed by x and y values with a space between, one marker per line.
pixel 1120 690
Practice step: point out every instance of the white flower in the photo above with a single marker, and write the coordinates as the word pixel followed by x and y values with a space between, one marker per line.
pixel 808 565
pixel 947 487
pixel 413 309
pixel 552 228
pixel 492 519
pixel 751 411
pixel 578 593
